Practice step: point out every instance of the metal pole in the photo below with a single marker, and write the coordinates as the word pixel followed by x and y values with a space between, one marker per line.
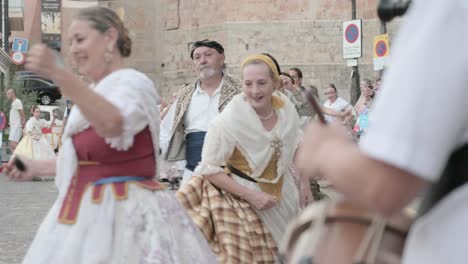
pixel 6 26
pixel 2 23
pixel 355 91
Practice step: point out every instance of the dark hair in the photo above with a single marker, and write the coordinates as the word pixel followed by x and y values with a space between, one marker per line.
pixel 274 61
pixel 206 43
pixel 33 108
pixel 331 85
pixel 314 90
pixel 102 19
pixel 288 75
pixel 298 71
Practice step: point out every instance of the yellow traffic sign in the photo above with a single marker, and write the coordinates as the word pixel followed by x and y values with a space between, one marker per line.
pixel 381 47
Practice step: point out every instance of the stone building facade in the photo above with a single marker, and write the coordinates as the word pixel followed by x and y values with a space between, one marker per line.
pixel 300 33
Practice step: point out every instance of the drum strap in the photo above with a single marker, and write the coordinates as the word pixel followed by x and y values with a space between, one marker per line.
pixel 454 175
pixel 371 241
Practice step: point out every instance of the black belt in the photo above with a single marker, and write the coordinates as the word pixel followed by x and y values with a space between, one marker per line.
pixel 240 173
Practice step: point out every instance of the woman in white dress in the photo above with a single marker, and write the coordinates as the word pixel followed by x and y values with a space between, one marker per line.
pixel 109 208
pixel 34 145
pixel 243 194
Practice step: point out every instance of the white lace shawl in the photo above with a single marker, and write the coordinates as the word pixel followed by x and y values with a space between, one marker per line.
pixel 239 126
pixel 134 94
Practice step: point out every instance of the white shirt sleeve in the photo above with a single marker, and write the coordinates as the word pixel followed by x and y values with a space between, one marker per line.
pixel 129 96
pixel 420 116
pixel 29 127
pixel 217 149
pixel 19 105
pixel 166 128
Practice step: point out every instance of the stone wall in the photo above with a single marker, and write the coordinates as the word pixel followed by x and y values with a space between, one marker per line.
pixel 301 33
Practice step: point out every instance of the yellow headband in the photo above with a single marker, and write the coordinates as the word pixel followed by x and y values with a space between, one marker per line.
pixel 267 60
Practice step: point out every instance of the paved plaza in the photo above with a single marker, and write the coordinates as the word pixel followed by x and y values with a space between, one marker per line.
pixel 23 205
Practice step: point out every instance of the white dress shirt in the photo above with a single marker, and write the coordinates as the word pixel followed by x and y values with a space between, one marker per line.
pixel 202 109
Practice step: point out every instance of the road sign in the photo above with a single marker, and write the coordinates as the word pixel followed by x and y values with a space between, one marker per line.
pixel 18 58
pixel 381 51
pixel 20 45
pixel 352 39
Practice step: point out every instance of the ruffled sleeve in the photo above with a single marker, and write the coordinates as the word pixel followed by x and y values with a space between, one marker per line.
pixel 217 149
pixel 132 93
pixel 30 125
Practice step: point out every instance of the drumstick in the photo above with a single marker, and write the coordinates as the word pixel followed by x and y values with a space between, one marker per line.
pixel 310 97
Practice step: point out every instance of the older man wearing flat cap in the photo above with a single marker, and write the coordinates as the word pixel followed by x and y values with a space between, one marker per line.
pixel 199 103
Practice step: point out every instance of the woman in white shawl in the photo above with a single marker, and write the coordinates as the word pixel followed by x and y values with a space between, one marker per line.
pixel 244 173
pixel 109 208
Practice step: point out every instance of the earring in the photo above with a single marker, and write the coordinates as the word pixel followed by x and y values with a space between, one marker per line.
pixel 108 55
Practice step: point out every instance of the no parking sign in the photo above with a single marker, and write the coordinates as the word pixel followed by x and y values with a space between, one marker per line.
pixel 352 39
pixel 381 51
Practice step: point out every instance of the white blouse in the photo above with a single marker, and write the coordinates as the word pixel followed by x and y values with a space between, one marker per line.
pixel 238 126
pixel 134 94
pixel 34 126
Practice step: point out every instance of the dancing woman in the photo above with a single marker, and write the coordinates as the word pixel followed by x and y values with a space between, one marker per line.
pixel 109 209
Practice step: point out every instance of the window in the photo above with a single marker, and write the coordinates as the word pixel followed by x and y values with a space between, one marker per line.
pixel 31 83
pixel 45 115
pixel 16 14
pixel 15 7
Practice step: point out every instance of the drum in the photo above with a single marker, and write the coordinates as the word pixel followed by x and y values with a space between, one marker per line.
pixel 334 232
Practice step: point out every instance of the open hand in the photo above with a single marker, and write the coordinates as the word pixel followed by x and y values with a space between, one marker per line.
pixel 13 173
pixel 317 137
pixel 42 61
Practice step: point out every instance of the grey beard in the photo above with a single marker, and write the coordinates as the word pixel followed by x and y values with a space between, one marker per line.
pixel 207 73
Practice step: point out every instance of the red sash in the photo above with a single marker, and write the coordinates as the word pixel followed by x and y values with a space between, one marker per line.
pixel 98 161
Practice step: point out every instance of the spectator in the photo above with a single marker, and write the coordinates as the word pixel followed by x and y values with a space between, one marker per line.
pixel 17 119
pixel 199 103
pixel 336 103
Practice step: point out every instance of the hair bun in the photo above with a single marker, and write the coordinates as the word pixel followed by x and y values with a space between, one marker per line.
pixel 124 44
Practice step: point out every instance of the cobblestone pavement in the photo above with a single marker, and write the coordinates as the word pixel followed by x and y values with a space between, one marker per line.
pixel 23 205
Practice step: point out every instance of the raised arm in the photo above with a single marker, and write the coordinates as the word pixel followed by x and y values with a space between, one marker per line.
pixel 105 117
pixel 102 114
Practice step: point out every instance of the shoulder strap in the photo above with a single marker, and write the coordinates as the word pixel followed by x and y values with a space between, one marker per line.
pixel 454 175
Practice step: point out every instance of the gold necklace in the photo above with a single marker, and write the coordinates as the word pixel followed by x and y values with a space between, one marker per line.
pixel 267 117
